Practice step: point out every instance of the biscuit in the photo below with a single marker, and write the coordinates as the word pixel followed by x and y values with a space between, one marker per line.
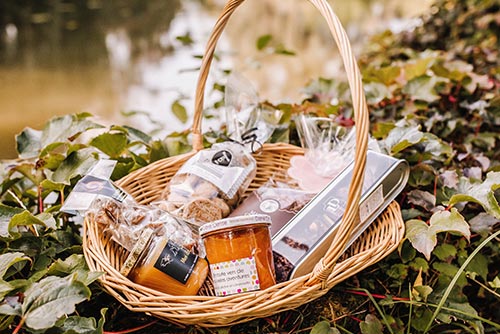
pixel 201 210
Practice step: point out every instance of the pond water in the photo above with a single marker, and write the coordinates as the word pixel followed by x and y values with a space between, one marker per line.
pixel 61 57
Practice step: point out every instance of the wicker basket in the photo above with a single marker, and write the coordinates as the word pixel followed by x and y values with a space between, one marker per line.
pixel 146 184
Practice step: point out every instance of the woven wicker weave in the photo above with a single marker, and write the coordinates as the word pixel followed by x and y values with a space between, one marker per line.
pixel 146 185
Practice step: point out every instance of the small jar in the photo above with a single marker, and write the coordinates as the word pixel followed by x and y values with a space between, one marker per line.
pixel 239 253
pixel 161 264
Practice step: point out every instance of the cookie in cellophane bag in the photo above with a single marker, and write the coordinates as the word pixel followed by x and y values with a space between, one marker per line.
pixel 210 184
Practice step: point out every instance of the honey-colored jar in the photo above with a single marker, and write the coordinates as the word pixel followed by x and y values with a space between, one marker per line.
pixel 158 263
pixel 239 253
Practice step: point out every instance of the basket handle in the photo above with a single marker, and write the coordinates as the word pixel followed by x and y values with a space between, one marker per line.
pixel 351 214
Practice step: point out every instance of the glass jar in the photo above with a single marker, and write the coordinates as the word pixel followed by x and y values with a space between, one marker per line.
pixel 239 253
pixel 161 264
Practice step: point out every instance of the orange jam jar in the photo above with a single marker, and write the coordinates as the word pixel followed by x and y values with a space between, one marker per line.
pixel 239 253
pixel 158 263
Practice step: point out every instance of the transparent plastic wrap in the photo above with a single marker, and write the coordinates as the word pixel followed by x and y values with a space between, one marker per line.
pixel 126 223
pixel 280 200
pixel 210 184
pixel 163 250
pixel 329 149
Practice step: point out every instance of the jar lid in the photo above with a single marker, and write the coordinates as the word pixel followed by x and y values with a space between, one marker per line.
pixel 237 221
pixel 139 247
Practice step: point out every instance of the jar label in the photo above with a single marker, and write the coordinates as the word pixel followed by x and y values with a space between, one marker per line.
pixel 176 261
pixel 235 276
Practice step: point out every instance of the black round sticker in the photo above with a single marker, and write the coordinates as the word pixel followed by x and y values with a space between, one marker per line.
pixel 222 158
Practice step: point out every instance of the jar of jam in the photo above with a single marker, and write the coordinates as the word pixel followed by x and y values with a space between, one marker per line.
pixel 161 264
pixel 239 253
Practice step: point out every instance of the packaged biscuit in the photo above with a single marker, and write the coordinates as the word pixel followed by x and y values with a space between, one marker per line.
pixel 210 184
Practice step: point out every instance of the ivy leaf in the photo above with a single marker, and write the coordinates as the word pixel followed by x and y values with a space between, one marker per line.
pixel 420 291
pixel 376 92
pixel 5 289
pixel 423 236
pixel 179 111
pixel 371 325
pixel 480 193
pixel 423 199
pixel 67 266
pixel 186 39
pixel 445 252
pixel 6 214
pixel 24 218
pixel 50 299
pixel 80 325
pixel 449 179
pixel 11 305
pixel 74 264
pixel 495 284
pixel 323 327
pixel 416 68
pixel 483 223
pixel 9 259
pixel 66 128
pixel 112 144
pixel 47 219
pixel 76 164
pixel 28 143
pixel 263 41
pixel 423 88
pixel 281 50
pixel 402 136
pixel 137 135
pixel 479 266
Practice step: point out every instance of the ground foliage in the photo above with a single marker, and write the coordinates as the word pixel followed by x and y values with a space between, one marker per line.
pixel 434 100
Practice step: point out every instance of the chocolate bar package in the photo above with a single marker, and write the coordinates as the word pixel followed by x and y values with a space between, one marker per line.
pixel 301 243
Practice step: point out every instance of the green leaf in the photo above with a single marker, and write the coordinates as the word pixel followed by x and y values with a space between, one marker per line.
pixel 79 325
pixel 50 299
pixel 66 128
pixel 9 259
pixel 376 92
pixel 137 135
pixel 48 185
pixel 11 306
pixel 5 289
pixel 6 214
pixel 263 41
pixel 68 265
pixel 402 136
pixel 384 75
pixel 28 143
pixel 281 50
pixel 323 327
pixel 480 193
pixel 76 164
pixel 47 219
pixel 479 265
pixel 371 325
pixel 186 39
pixel 423 88
pixel 421 292
pixel 419 264
pixel 112 144
pixel 416 68
pixel 495 284
pixel 423 199
pixel 179 111
pixel 24 218
pixel 423 236
pixel 445 252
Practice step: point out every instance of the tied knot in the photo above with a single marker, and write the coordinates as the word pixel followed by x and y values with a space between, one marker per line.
pixel 248 137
